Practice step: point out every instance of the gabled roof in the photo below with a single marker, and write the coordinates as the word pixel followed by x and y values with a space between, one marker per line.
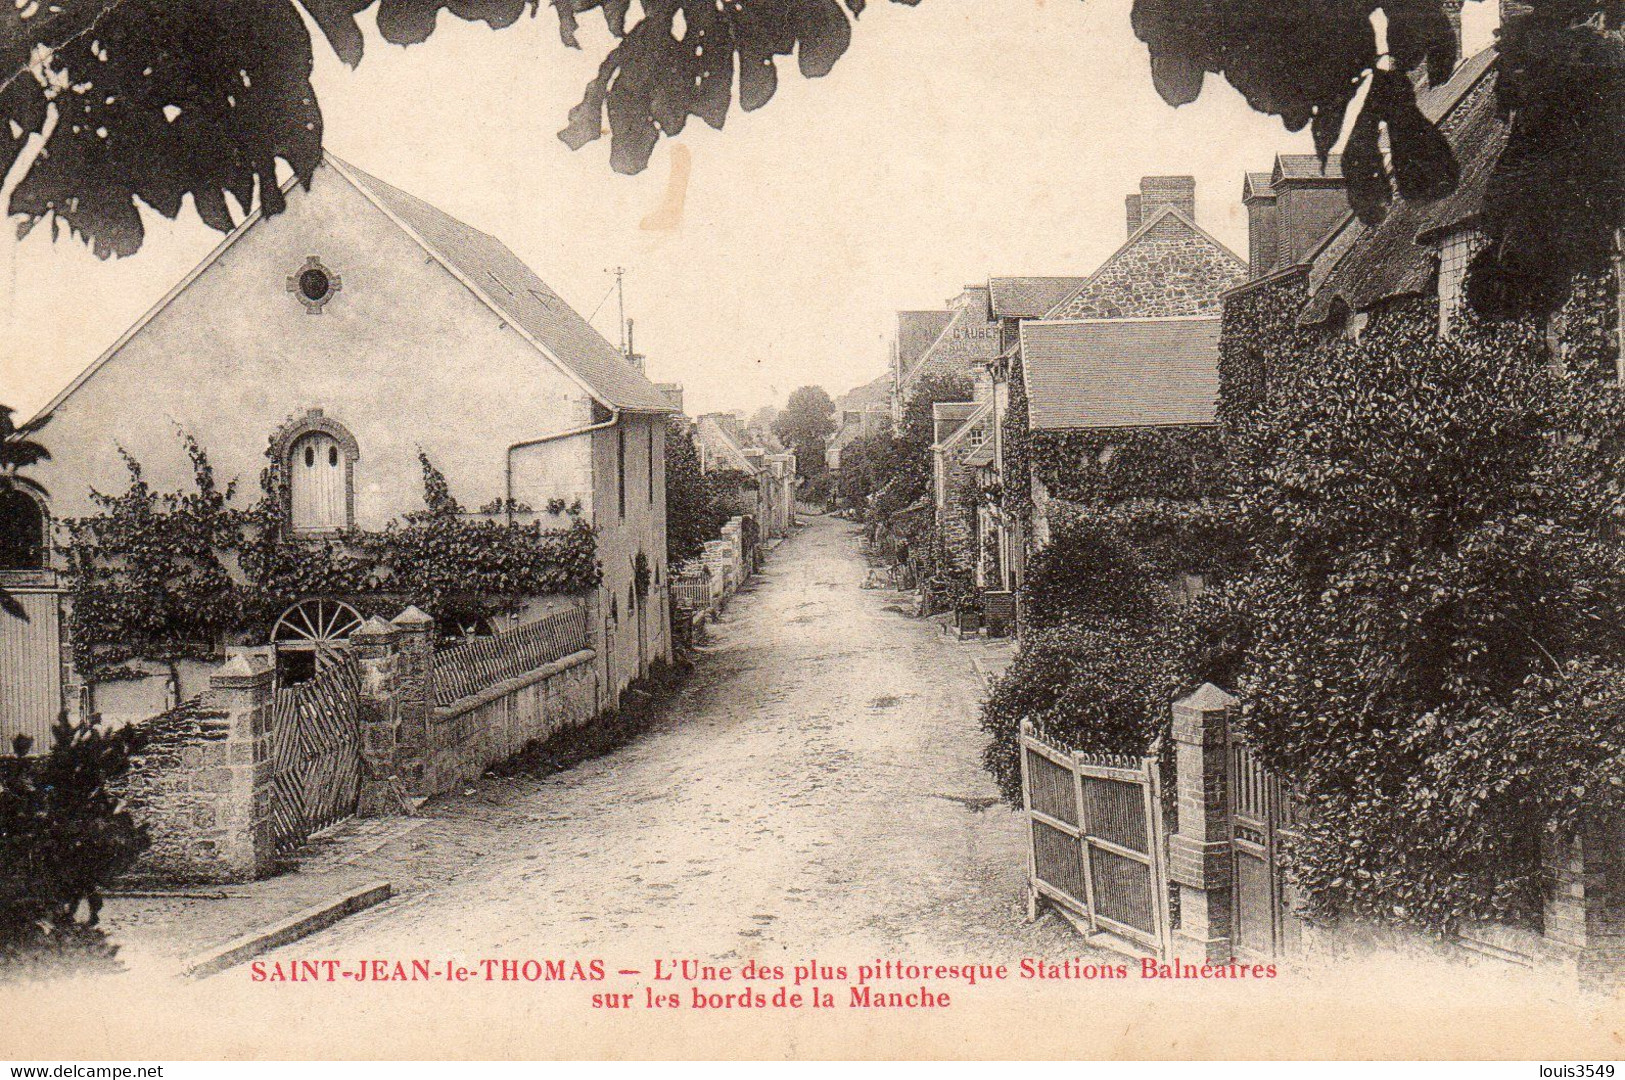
pixel 1258 185
pixel 1372 265
pixel 1120 373
pixel 512 289
pixel 916 332
pixel 509 288
pixel 978 415
pixel 722 445
pixel 1029 297
pixel 1306 167
pixel 1059 311
pixel 871 396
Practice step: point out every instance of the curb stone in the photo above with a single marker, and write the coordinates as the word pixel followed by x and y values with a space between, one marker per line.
pixel 296 926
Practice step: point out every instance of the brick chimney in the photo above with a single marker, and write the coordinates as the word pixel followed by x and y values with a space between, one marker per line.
pixel 1133 205
pixel 673 392
pixel 1157 192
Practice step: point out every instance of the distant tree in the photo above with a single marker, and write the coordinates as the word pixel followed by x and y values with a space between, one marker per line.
pixel 691 516
pixel 18 451
pixel 759 428
pixel 807 420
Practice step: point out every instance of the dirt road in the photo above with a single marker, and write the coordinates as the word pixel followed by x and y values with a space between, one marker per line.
pixel 816 786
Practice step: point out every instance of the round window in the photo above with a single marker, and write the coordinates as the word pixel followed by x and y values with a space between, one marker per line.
pixel 314 283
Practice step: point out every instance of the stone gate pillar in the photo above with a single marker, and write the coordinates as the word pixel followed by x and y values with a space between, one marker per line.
pixel 1199 851
pixel 374 644
pixel 416 693
pixel 241 785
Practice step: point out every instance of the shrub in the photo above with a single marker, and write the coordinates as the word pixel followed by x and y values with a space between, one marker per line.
pixel 64 837
pixel 1102 687
pixel 1094 669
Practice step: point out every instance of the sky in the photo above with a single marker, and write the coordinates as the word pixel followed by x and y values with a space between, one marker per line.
pixel 956 140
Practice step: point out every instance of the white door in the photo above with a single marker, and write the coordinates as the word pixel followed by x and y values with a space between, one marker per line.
pixel 319 494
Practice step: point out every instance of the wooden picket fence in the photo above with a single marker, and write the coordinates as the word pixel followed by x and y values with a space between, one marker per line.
pixel 464 670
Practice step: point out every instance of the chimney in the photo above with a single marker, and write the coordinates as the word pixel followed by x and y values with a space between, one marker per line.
pixel 673 392
pixel 1157 192
pixel 1133 205
pixel 1511 9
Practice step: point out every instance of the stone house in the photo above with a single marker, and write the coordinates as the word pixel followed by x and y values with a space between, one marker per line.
pixel 338 340
pixel 965 340
pixel 1169 275
pixel 767 483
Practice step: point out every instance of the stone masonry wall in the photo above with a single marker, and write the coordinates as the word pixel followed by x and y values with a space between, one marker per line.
pixel 1171 270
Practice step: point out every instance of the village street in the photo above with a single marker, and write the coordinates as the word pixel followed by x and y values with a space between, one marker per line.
pixel 816 787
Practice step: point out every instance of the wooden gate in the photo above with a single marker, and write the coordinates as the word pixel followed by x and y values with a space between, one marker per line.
pixel 1097 849
pixel 1261 807
pixel 31 661
pixel 315 753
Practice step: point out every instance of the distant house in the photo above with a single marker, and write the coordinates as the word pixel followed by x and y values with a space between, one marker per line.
pixel 965 339
pixel 767 479
pixel 337 340
pixel 1061 365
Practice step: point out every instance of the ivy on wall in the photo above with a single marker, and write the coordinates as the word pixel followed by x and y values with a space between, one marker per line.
pixel 172 575
pixel 1428 644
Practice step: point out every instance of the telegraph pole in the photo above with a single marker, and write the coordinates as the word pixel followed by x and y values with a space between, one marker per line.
pixel 620 301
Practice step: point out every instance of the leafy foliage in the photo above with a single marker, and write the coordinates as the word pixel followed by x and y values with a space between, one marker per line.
pixel 807 420
pixel 1429 639
pixel 1094 669
pixel 163 575
pixel 698 504
pixel 64 837
pixel 18 450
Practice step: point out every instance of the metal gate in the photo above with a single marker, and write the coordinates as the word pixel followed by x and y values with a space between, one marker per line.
pixel 1097 848
pixel 31 661
pixel 1261 807
pixel 315 753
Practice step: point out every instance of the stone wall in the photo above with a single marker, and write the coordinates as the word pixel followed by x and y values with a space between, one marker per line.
pixel 1170 270
pixel 202 784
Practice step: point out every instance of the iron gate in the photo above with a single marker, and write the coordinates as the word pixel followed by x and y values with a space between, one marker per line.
pixel 1261 808
pixel 1097 847
pixel 315 753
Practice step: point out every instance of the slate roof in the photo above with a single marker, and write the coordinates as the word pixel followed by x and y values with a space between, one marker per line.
pixel 917 331
pixel 1029 297
pixel 871 396
pixel 1392 259
pixel 1120 373
pixel 722 446
pixel 1306 167
pixel 502 281
pixel 1258 185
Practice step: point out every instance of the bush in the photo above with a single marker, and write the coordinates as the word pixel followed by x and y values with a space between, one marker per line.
pixel 1100 688
pixel 64 838
pixel 1094 669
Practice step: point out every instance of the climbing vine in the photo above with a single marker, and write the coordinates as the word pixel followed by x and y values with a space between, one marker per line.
pixel 171 575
